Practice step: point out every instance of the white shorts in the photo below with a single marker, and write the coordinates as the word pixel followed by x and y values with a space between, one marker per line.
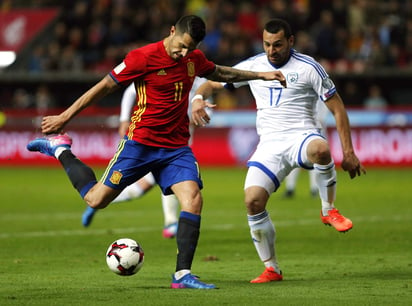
pixel 275 158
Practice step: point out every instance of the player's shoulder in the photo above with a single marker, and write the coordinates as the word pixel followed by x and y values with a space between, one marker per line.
pixel 307 62
pixel 302 59
pixel 145 50
pixel 140 58
pixel 196 54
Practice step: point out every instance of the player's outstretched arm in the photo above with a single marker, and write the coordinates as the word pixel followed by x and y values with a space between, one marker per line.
pixel 231 75
pixel 55 124
pixel 350 161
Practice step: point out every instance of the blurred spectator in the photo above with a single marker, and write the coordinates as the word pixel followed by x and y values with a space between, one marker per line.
pixel 22 99
pixel 70 60
pixel 247 20
pixel 375 100
pixel 43 99
pixel 95 43
pixel 38 60
pixel 53 54
pixel 60 33
pixel 352 94
pixel 304 43
pixel 325 35
pixel 110 60
pixel 78 15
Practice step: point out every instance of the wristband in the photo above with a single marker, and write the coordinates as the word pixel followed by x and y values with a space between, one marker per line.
pixel 196 97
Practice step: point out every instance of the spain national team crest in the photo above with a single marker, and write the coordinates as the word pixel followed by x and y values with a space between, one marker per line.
pixel 162 72
pixel 292 77
pixel 190 69
pixel 116 177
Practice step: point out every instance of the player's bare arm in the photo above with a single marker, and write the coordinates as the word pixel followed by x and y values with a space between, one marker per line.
pixel 350 161
pixel 199 115
pixel 231 75
pixel 55 124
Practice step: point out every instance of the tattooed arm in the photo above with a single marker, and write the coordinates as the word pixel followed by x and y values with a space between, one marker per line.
pixel 230 75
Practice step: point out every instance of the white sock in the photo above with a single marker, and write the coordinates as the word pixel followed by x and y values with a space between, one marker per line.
pixel 179 274
pixel 170 206
pixel 326 206
pixel 263 234
pixel 59 151
pixel 326 181
pixel 130 192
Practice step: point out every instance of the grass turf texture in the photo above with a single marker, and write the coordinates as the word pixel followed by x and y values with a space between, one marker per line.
pixel 48 258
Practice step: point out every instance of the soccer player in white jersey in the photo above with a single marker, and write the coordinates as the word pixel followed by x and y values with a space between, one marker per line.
pixel 289 136
pixel 170 204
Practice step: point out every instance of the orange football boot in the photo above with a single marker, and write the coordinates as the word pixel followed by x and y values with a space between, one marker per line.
pixel 335 219
pixel 269 275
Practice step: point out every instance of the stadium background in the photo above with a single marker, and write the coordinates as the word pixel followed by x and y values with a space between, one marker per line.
pixel 64 47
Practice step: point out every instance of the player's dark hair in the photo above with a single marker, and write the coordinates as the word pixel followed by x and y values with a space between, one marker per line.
pixel 192 25
pixel 275 25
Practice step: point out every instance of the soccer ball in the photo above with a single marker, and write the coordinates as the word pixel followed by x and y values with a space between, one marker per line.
pixel 125 257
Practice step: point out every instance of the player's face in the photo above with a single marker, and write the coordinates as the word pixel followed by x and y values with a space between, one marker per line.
pixel 277 47
pixel 179 45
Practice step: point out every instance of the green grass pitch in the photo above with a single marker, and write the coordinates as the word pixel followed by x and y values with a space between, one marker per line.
pixel 48 258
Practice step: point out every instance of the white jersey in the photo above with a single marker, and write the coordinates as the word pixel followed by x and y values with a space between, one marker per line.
pixel 293 108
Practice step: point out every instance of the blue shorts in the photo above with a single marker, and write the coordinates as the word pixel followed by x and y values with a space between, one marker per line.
pixel 134 160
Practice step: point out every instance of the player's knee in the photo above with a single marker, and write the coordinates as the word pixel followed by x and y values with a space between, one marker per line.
pixel 254 203
pixel 96 200
pixel 100 195
pixel 193 204
pixel 322 153
pixel 95 203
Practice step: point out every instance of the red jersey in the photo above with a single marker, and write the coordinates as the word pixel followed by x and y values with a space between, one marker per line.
pixel 162 89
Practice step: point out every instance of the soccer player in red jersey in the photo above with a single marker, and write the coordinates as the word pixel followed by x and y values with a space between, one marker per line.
pixel 157 138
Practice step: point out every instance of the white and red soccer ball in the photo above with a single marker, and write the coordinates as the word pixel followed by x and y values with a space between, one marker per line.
pixel 125 257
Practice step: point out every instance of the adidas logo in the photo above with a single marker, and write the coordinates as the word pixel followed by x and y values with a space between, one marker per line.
pixel 162 72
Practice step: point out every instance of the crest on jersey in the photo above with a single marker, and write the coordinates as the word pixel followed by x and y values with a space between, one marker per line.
pixel 162 72
pixel 190 69
pixel 116 177
pixel 327 83
pixel 292 77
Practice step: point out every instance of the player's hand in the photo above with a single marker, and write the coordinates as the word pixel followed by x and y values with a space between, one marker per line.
pixel 199 114
pixel 352 165
pixel 274 75
pixel 52 125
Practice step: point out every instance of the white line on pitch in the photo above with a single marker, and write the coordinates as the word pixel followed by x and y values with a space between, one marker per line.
pixel 88 231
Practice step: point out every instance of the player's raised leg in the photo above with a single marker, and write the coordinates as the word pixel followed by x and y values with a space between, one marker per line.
pixel 81 176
